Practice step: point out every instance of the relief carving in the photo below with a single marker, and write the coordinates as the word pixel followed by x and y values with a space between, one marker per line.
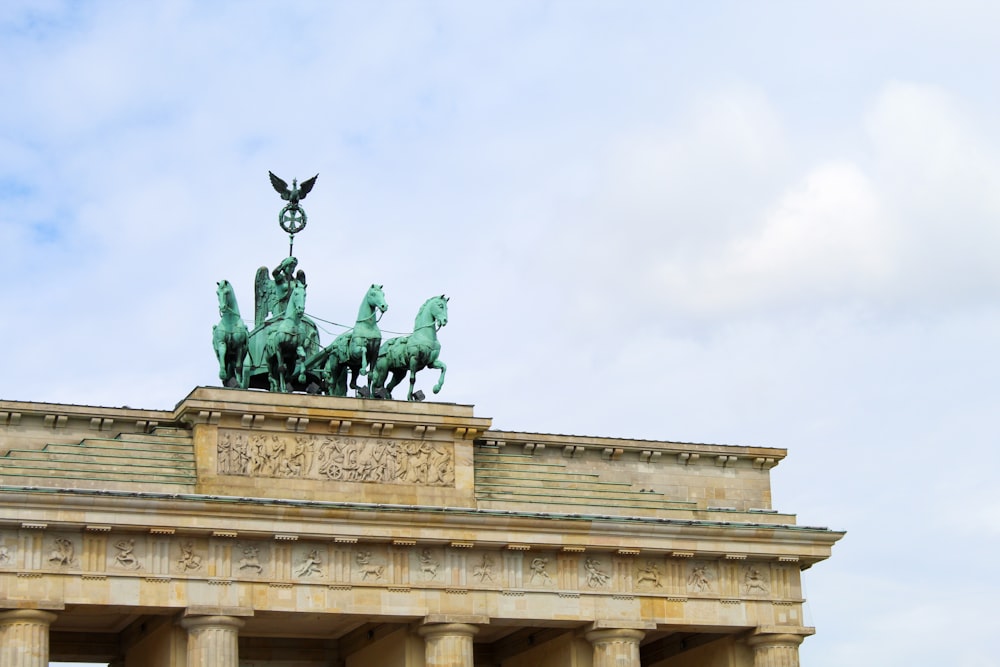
pixel 366 568
pixel 484 571
pixel 63 552
pixel 189 560
pixel 700 578
pixel 538 571
pixel 5 556
pixel 428 565
pixel 596 576
pixel 649 575
pixel 125 558
pixel 310 565
pixel 250 559
pixel 755 582
pixel 340 458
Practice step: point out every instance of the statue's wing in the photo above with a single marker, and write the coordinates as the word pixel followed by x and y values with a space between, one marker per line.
pixel 280 185
pixel 263 292
pixel 306 186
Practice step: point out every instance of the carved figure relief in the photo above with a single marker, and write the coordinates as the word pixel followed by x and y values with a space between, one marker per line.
pixel 700 578
pixel 335 458
pixel 5 556
pixel 596 576
pixel 189 560
pixel 125 558
pixel 366 568
pixel 428 565
pixel 538 571
pixel 310 565
pixel 484 571
pixel 250 559
pixel 63 552
pixel 649 575
pixel 755 582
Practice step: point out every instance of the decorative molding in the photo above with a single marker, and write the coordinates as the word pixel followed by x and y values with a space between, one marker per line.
pixel 225 533
pixel 343 427
pixel 55 421
pixel 98 529
pixel 297 424
pixel 101 424
pixel 206 417
pixel 687 458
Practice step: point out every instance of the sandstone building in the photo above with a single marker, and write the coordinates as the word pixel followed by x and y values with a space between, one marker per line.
pixel 271 530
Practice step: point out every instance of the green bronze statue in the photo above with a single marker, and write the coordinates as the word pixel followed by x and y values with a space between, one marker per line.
pixel 229 337
pixel 272 298
pixel 282 353
pixel 284 347
pixel 413 353
pixel 355 350
pixel 292 217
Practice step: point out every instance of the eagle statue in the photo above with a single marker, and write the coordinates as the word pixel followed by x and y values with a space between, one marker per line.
pixel 294 194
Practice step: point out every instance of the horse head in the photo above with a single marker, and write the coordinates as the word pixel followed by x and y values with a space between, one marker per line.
pixel 375 299
pixel 296 302
pixel 227 299
pixel 438 310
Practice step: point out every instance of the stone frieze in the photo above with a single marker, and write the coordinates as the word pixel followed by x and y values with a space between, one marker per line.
pixel 335 457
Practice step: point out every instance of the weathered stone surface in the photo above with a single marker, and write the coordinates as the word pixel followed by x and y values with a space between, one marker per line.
pixel 342 522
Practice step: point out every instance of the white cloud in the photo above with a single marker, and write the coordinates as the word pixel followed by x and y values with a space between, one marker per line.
pixel 825 239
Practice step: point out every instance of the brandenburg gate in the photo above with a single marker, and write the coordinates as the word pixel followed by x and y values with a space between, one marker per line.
pixel 265 529
pixel 302 527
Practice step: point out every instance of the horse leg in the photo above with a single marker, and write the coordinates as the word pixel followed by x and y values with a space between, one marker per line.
pixel 414 366
pixel 397 377
pixel 439 364
pixel 220 351
pixel 300 364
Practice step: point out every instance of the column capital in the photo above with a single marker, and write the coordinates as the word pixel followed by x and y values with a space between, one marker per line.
pixel 607 635
pixel 776 635
pixel 194 622
pixel 430 630
pixel 27 616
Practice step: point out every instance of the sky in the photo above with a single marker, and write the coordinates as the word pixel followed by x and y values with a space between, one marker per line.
pixel 768 223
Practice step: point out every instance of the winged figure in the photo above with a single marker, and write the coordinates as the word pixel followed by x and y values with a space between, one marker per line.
pixel 297 192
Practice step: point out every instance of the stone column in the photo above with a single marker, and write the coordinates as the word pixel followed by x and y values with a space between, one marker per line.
pixel 448 644
pixel 775 649
pixel 616 647
pixel 212 641
pixel 24 638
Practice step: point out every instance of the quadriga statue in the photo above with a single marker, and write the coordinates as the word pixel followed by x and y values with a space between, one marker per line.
pixel 413 353
pixel 356 350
